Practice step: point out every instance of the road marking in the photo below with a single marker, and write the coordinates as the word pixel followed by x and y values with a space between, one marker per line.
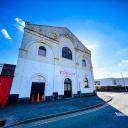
pixel 120 114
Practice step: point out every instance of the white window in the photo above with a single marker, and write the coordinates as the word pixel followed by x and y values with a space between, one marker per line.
pixel 66 53
pixel 42 51
pixel 86 84
pixel 84 63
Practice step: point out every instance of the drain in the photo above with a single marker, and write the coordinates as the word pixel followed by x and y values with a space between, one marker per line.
pixel 2 123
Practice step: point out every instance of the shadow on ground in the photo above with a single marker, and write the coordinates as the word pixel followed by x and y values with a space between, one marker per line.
pixel 21 112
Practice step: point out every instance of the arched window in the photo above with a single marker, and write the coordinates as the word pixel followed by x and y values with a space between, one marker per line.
pixel 66 53
pixel 42 51
pixel 86 85
pixel 67 87
pixel 84 63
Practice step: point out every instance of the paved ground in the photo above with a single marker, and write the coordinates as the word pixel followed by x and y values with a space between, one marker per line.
pixel 102 118
pixel 113 115
pixel 120 101
pixel 22 112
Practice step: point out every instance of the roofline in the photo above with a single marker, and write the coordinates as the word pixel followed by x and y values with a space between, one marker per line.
pixel 6 63
pixel 28 23
pixel 111 78
pixel 85 48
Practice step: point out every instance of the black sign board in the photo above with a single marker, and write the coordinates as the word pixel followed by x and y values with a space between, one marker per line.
pixel 8 70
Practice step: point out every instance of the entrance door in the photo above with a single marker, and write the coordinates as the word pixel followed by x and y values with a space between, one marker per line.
pixel 67 88
pixel 37 89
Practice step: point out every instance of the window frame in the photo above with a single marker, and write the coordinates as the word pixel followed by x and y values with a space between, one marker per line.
pixel 67 84
pixel 67 53
pixel 87 82
pixel 42 51
pixel 84 63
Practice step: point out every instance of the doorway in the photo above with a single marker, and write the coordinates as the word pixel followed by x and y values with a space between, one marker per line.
pixel 37 89
pixel 67 88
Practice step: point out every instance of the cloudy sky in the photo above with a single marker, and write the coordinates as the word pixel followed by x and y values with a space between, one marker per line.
pixel 102 25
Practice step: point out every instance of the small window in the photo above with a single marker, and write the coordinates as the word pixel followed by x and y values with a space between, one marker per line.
pixel 114 81
pixel 83 63
pixel 97 82
pixel 66 53
pixel 86 85
pixel 42 51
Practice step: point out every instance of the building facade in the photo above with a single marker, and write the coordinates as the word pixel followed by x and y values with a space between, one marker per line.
pixel 52 62
pixel 112 82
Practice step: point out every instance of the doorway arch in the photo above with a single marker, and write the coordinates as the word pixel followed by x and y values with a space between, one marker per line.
pixel 37 88
pixel 67 88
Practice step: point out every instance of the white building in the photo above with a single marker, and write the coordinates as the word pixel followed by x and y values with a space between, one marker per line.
pixel 112 82
pixel 52 62
pixel 1 67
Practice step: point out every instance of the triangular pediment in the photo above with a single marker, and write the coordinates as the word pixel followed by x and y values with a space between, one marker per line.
pixel 54 32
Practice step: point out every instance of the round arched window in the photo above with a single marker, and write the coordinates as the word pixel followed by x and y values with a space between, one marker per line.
pixel 66 53
pixel 42 51
pixel 84 63
pixel 86 85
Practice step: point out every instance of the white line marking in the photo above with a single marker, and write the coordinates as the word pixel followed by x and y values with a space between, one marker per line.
pixel 119 114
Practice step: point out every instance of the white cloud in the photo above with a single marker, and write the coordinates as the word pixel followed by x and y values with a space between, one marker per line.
pixel 120 74
pixel 89 43
pixel 104 40
pixel 123 63
pixel 20 24
pixel 92 46
pixel 5 33
pixel 110 72
pixel 21 28
pixel 20 21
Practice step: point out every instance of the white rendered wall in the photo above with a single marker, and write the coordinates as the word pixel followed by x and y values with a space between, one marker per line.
pixel 53 68
pixel 1 67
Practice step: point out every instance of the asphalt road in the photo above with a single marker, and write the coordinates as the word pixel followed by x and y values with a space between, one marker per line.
pixel 106 117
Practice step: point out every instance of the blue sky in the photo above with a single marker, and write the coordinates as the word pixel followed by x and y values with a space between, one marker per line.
pixel 102 25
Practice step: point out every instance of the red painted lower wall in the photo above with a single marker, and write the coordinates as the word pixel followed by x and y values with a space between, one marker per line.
pixel 5 85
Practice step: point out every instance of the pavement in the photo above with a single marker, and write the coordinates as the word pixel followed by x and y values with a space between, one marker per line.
pixel 120 100
pixel 20 113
